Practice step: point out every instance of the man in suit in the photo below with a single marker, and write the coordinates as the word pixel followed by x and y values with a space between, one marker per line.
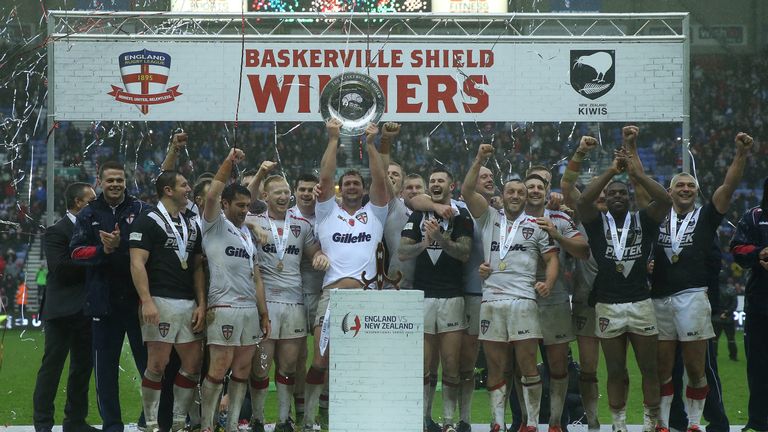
pixel 67 330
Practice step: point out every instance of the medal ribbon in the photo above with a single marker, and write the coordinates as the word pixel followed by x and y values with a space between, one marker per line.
pixel 676 236
pixel 181 240
pixel 280 242
pixel 619 244
pixel 505 241
pixel 245 239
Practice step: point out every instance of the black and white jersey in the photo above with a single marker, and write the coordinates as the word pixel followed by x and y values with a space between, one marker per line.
pixel 438 274
pixel 153 233
pixel 691 263
pixel 626 280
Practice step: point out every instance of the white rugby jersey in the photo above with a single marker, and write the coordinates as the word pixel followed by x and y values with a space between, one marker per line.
pixel 349 241
pixel 396 219
pixel 559 293
pixel 311 279
pixel 518 276
pixel 230 263
pixel 283 285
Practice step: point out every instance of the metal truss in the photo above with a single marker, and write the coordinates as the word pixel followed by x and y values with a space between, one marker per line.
pixel 369 27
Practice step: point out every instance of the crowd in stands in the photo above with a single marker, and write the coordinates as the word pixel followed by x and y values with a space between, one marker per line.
pixel 727 96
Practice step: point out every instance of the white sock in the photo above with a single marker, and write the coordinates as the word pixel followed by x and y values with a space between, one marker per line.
pixel 259 387
pixel 210 391
pixel 650 418
pixel 313 386
pixel 498 403
pixel 194 407
pixel 467 389
pixel 619 417
pixel 665 403
pixel 236 390
pixel 450 398
pixel 184 386
pixel 151 386
pixel 695 396
pixel 558 389
pixel 284 385
pixel 532 396
pixel 520 400
pixel 589 396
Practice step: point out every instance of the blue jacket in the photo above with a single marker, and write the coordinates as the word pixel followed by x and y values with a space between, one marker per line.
pixel 750 238
pixel 108 277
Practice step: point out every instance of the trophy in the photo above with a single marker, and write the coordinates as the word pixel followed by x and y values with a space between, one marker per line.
pixel 381 273
pixel 353 98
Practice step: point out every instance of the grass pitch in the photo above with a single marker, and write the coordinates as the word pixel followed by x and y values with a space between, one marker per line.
pixel 23 351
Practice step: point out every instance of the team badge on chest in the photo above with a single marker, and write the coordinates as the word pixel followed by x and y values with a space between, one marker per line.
pixel 362 217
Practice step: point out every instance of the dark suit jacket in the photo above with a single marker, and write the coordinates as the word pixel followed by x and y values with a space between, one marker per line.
pixel 65 292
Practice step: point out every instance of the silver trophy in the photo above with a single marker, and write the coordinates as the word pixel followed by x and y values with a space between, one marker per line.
pixel 353 98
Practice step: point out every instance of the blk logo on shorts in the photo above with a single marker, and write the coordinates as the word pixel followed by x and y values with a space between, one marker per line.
pixel 592 72
pixel 163 328
pixel 227 330
pixel 527 232
pixel 484 324
pixel 603 322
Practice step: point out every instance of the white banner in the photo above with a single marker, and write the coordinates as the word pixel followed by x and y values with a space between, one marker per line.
pixel 426 81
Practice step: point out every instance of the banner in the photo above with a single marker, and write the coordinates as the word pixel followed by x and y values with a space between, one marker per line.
pixel 423 82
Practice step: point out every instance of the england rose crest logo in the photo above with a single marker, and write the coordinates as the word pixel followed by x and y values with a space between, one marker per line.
pixel 145 76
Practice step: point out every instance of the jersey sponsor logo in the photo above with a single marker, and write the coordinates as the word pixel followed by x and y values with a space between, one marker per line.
pixel 362 217
pixel 603 323
pixel 227 330
pixel 351 238
pixel 135 236
pixel 163 328
pixel 484 324
pixel 346 327
pixel 290 250
pixel 296 230
pixel 236 252
pixel 514 247
pixel 527 232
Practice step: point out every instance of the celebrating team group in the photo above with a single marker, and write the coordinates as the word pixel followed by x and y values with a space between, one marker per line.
pixel 232 266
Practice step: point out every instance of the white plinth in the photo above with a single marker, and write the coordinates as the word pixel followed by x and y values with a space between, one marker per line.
pixel 376 360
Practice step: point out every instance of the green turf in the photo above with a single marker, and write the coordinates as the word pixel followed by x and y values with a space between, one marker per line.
pixel 23 351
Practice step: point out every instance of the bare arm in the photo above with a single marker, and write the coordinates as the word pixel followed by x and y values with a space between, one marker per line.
pixel 661 202
pixel 198 316
pixel 586 204
pixel 576 245
pixel 409 249
pixel 213 199
pixel 253 187
pixel 476 203
pixel 261 302
pixel 458 249
pixel 378 192
pixel 177 145
pixel 568 181
pixel 328 163
pixel 722 196
pixel 149 312
pixel 552 263
pixel 629 135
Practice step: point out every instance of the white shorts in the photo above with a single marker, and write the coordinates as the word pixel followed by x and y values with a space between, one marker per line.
pixel 615 319
pixel 287 320
pixel 509 320
pixel 230 326
pixel 175 325
pixel 472 311
pixel 583 319
pixel 555 321
pixel 322 306
pixel 443 315
pixel 685 316
pixel 310 309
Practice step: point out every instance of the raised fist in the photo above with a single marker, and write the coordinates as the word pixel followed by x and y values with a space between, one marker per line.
pixel 484 151
pixel 587 143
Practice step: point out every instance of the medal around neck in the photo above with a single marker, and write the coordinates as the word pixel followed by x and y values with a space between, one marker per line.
pixel 353 98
